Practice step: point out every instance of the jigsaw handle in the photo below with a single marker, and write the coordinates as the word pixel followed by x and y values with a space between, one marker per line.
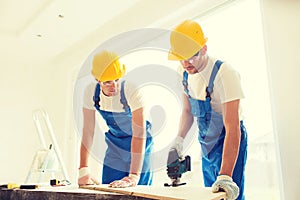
pixel 188 163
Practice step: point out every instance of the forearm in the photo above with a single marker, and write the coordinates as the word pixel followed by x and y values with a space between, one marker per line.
pixel 138 141
pixel 87 136
pixel 137 154
pixel 186 122
pixel 232 137
pixel 86 144
pixel 84 156
pixel 187 119
pixel 230 151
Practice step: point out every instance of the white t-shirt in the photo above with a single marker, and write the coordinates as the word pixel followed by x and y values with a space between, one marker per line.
pixel 227 85
pixel 112 103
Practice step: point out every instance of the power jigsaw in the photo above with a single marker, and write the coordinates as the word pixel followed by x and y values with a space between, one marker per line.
pixel 176 166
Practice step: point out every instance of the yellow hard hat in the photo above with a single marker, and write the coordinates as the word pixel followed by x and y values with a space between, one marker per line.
pixel 186 39
pixel 107 67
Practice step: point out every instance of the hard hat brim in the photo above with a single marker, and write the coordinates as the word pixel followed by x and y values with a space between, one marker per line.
pixel 173 56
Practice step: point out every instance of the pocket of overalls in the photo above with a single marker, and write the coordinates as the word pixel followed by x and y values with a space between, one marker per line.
pixel 198 109
pixel 203 124
pixel 215 125
pixel 148 127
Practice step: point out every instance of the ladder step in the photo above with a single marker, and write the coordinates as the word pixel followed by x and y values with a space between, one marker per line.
pixel 46 160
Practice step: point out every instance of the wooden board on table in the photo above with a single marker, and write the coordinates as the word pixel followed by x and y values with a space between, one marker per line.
pixel 168 193
pixel 62 193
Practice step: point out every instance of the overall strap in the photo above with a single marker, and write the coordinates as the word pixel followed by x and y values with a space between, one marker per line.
pixel 214 72
pixel 185 83
pixel 123 99
pixel 96 97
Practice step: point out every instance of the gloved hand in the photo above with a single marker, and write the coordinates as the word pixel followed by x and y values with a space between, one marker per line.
pixel 85 177
pixel 127 181
pixel 178 145
pixel 225 183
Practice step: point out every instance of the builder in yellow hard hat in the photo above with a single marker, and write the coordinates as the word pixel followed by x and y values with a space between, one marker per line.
pixel 212 93
pixel 129 142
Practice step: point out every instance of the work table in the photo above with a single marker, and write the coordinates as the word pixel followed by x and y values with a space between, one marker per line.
pixel 61 193
pixel 105 192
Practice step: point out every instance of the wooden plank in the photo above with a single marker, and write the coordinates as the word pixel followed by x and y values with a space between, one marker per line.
pixel 62 194
pixel 167 193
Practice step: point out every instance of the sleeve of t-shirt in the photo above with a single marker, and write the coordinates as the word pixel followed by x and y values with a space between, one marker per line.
pixel 230 85
pixel 88 101
pixel 179 84
pixel 134 96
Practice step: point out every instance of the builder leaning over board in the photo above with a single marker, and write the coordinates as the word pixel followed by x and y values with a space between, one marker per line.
pixel 212 93
pixel 128 138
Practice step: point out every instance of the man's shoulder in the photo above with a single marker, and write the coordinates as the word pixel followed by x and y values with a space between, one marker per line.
pixel 224 67
pixel 91 85
pixel 227 68
pixel 90 88
pixel 129 84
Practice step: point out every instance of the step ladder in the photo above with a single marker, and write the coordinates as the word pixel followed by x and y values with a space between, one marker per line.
pixel 47 160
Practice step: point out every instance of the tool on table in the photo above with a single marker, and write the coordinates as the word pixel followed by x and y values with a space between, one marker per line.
pixel 56 182
pixel 176 166
pixel 18 186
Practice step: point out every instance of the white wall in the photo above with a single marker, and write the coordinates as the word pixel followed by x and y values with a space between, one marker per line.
pixel 282 30
pixel 24 89
pixel 238 40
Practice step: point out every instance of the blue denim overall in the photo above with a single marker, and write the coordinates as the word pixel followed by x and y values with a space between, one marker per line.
pixel 118 139
pixel 211 136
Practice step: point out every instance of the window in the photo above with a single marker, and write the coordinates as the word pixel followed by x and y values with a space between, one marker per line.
pixel 234 35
